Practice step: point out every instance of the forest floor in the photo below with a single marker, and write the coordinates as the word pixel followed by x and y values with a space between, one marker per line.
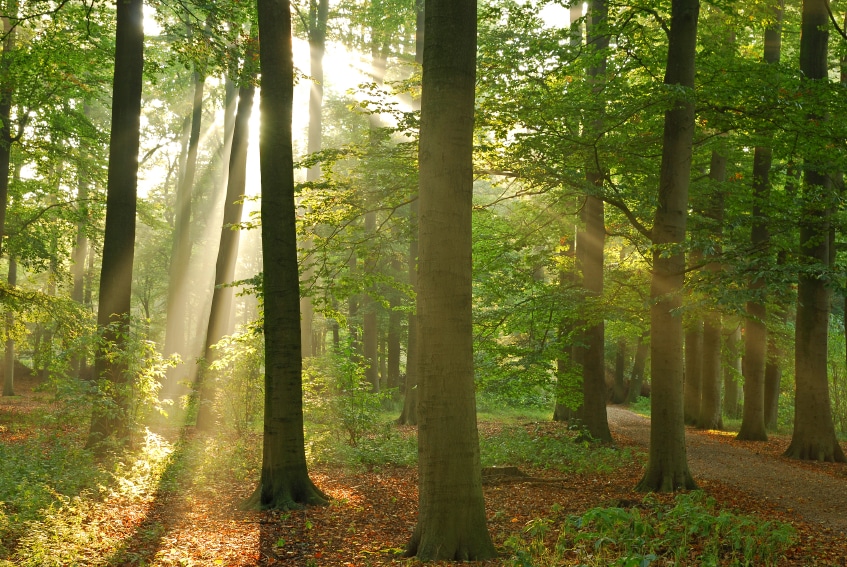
pixel 373 510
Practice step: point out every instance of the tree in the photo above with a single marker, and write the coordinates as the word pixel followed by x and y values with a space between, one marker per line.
pixel 667 465
pixel 451 511
pixel 814 432
pixel 284 481
pixel 221 308
pixel 119 239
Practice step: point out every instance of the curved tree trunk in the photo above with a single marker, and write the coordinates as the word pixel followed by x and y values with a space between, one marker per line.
pixel 451 512
pixel 285 481
pixel 119 239
pixel 667 465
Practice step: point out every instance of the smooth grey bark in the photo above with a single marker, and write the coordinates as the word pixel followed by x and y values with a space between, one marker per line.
pixel 119 239
pixel 284 481
pixel 221 308
pixel 814 431
pixel 619 388
pixel 667 465
pixel 451 521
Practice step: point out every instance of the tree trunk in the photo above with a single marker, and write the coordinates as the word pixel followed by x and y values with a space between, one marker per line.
pixel 176 322
pixel 7 89
pixel 619 390
pixel 814 432
pixel 693 370
pixel 731 373
pixel 667 465
pixel 639 363
pixel 709 412
pixel 451 511
pixel 285 481
pixel 119 239
pixel 409 415
pixel 318 17
pixel 219 314
pixel 9 368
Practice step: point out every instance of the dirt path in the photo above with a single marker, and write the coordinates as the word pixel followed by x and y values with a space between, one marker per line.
pixel 816 495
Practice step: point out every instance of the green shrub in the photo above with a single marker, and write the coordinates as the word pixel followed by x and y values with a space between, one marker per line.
pixel 557 449
pixel 691 531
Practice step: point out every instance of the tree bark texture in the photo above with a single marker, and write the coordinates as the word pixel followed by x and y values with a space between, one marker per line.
pixel 731 374
pixel 814 432
pixel 7 90
pixel 667 465
pixel 451 512
pixel 285 481
pixel 639 363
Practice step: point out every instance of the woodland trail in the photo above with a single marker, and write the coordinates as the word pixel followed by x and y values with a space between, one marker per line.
pixel 816 492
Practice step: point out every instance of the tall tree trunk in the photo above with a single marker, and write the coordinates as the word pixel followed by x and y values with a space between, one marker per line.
pixel 392 372
pixel 176 322
pixel 451 511
pixel 7 89
pixel 409 415
pixel 227 250
pixel 731 373
pixel 693 370
pixel 667 465
pixel 119 240
pixel 756 334
pixel 639 363
pixel 9 367
pixel 709 414
pixel 318 17
pixel 619 389
pixel 814 432
pixel 285 481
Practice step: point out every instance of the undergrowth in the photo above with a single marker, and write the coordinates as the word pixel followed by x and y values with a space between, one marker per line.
pixel 689 531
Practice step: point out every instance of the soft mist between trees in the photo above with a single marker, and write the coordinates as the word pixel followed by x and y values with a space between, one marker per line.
pixel 506 204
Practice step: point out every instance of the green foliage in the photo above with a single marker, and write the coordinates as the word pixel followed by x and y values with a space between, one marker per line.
pixel 338 395
pixel 554 448
pixel 239 380
pixel 690 531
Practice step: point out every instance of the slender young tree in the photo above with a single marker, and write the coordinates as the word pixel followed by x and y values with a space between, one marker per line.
pixel 667 465
pixel 451 511
pixel 228 248
pixel 284 481
pixel 119 240
pixel 814 432
pixel 409 415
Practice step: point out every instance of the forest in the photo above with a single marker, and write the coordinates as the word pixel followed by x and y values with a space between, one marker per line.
pixel 389 282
